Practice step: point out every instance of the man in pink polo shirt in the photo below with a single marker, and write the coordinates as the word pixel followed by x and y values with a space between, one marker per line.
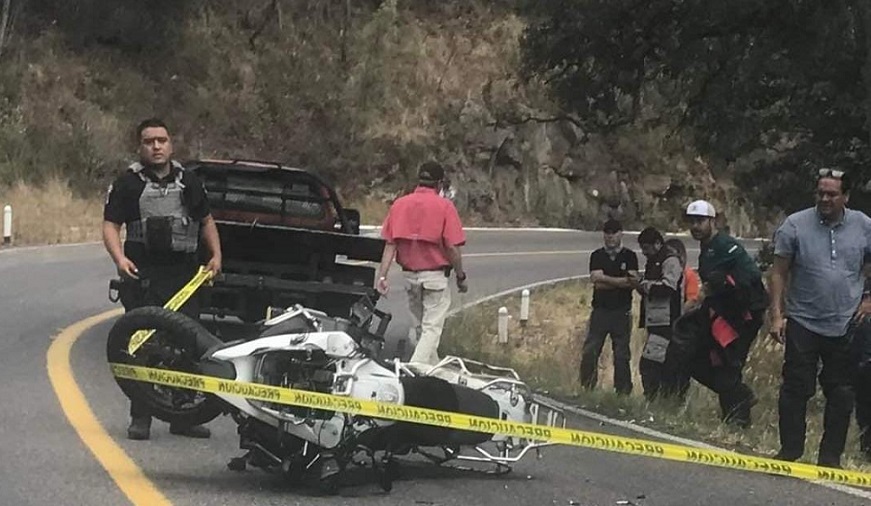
pixel 424 233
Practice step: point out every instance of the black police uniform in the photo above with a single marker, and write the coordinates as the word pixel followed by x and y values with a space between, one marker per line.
pixel 162 217
pixel 611 316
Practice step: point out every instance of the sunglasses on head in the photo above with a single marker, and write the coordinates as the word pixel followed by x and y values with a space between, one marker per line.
pixel 834 173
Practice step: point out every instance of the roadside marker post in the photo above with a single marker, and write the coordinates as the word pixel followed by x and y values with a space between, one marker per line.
pixel 524 307
pixel 503 325
pixel 7 225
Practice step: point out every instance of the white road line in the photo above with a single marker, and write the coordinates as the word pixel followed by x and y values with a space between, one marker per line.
pixel 543 252
pixel 684 441
pixel 627 425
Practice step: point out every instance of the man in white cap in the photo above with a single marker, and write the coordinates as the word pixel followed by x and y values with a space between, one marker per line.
pixel 734 301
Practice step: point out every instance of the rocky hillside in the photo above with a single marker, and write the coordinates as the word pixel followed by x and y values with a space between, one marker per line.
pixel 362 92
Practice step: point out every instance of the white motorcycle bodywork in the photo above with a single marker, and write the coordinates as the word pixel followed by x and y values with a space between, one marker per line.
pixel 356 375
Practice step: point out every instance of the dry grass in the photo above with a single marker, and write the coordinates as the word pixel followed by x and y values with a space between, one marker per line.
pixel 408 72
pixel 395 92
pixel 372 209
pixel 547 355
pixel 51 214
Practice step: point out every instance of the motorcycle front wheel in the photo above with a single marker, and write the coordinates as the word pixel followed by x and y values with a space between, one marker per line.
pixel 177 344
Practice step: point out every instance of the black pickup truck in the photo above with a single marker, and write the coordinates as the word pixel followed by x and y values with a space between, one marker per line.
pixel 286 239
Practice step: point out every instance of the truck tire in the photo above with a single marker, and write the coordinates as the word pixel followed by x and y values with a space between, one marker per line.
pixel 177 344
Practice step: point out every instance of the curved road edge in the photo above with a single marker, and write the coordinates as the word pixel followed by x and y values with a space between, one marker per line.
pixel 647 431
pixel 120 467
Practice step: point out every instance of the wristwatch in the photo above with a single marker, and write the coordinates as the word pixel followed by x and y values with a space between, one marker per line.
pixel 461 278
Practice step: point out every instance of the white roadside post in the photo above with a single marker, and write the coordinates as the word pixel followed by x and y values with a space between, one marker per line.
pixel 524 307
pixel 7 225
pixel 503 325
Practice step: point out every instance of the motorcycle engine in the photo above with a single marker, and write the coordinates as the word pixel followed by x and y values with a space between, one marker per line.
pixel 310 370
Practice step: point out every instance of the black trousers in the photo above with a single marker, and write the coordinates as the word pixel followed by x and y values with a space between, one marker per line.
pixel 652 376
pixel 605 322
pixel 157 284
pixel 726 377
pixel 661 380
pixel 658 375
pixel 804 352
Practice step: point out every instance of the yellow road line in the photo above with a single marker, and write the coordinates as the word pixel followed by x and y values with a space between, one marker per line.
pixel 127 475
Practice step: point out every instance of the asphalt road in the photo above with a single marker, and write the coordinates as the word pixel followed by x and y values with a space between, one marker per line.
pixel 46 463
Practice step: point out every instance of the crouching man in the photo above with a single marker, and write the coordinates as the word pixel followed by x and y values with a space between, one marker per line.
pixel 734 305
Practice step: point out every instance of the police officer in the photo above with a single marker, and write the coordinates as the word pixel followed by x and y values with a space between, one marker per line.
pixel 612 270
pixel 734 304
pixel 165 212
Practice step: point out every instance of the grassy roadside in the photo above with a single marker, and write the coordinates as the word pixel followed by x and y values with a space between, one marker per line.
pixel 52 214
pixel 546 354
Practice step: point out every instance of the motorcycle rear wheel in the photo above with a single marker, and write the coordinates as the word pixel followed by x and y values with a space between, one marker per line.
pixel 177 344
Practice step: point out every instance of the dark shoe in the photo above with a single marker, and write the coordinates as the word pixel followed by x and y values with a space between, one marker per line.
pixel 789 457
pixel 833 465
pixel 139 429
pixel 196 431
pixel 739 415
pixel 739 420
pixel 833 462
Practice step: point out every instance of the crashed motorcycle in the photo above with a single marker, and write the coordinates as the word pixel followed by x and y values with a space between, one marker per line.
pixel 305 349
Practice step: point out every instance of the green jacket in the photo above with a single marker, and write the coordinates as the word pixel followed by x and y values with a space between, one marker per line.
pixel 723 256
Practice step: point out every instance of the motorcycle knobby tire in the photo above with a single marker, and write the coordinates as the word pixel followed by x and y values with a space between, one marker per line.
pixel 185 335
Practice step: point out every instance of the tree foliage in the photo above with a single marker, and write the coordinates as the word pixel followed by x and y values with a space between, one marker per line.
pixel 780 85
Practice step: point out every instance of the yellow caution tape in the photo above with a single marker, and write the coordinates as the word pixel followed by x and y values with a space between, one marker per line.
pixel 173 304
pixel 462 421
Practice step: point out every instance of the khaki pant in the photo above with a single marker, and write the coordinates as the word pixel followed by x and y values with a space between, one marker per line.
pixel 429 299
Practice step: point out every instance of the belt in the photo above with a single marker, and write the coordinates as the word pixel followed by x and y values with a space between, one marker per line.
pixel 444 268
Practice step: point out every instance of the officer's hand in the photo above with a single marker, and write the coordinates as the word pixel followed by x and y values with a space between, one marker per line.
pixel 778 326
pixel 382 286
pixel 126 268
pixel 214 266
pixel 463 286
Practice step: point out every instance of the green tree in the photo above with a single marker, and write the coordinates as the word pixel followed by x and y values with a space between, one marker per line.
pixel 781 85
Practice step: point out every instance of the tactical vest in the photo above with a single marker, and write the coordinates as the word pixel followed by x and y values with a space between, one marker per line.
pixel 662 306
pixel 165 226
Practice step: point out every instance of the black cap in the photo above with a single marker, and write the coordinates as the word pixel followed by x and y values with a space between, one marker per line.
pixel 612 226
pixel 431 172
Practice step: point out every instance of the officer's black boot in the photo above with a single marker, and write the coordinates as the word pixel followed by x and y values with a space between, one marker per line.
pixel 140 428
pixel 195 431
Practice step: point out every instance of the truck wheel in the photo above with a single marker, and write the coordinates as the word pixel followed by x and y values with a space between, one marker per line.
pixel 177 344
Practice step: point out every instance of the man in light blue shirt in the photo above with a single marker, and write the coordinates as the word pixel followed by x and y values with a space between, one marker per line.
pixel 821 251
